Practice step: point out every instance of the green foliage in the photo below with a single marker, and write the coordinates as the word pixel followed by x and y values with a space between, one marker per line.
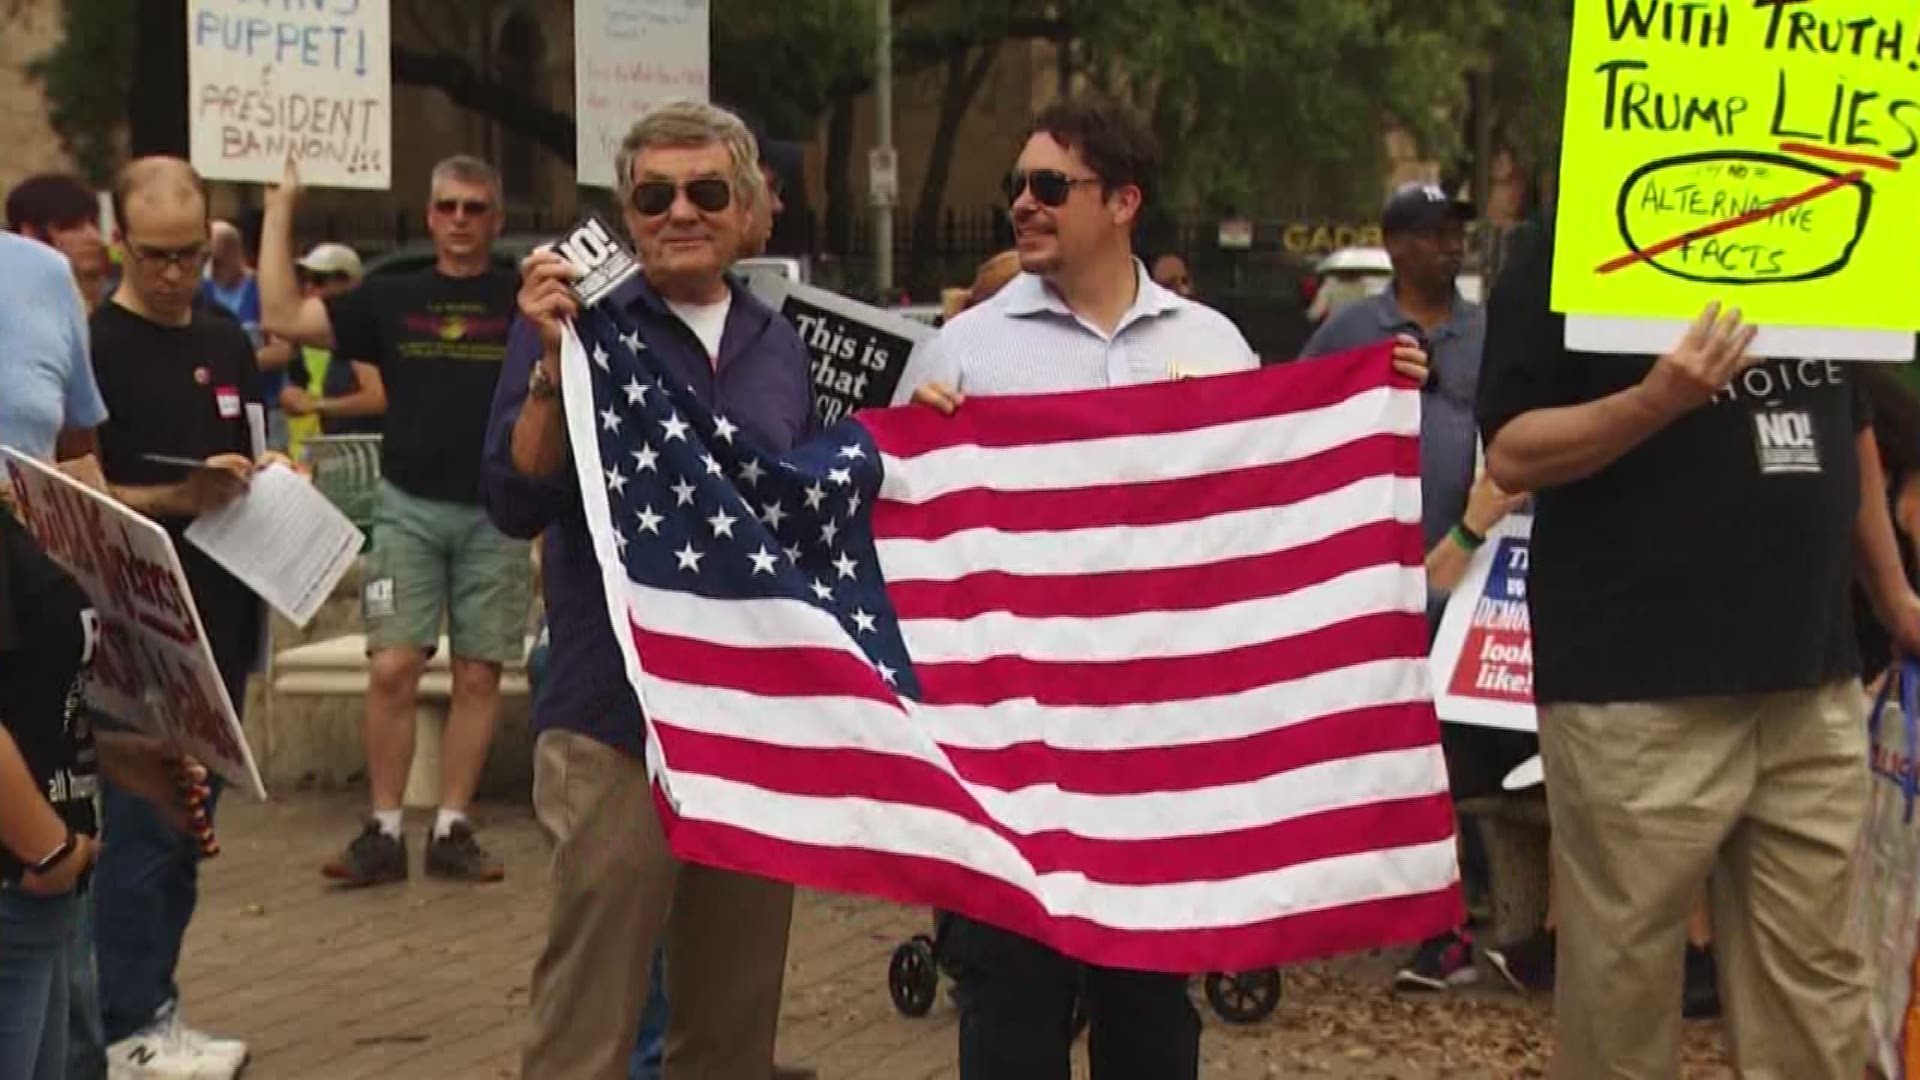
pixel 86 80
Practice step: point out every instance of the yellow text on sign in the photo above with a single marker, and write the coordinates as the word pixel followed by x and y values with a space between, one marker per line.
pixel 1758 152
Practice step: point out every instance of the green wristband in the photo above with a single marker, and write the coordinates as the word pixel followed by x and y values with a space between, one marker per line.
pixel 1467 538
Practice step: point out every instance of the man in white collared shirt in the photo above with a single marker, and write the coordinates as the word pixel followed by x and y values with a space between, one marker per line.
pixel 1082 315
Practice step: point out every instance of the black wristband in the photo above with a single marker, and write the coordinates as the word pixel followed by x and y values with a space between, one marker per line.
pixel 57 856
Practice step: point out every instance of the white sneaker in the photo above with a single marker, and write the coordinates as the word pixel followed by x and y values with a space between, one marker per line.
pixel 169 1050
pixel 231 1050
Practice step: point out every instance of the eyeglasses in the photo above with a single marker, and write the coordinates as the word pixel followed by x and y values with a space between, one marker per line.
pixel 183 258
pixel 472 207
pixel 710 194
pixel 1050 187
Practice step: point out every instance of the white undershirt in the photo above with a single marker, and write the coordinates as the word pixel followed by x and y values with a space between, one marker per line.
pixel 707 321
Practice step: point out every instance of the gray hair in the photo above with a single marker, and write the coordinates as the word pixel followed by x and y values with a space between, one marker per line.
pixel 467 169
pixel 685 123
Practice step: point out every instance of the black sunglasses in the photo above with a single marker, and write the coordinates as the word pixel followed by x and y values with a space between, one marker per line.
pixel 473 207
pixel 1050 187
pixel 710 194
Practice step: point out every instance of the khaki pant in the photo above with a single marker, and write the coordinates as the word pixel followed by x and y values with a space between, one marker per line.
pixel 1766 791
pixel 615 888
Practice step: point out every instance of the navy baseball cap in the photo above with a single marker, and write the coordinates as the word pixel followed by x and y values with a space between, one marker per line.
pixel 1423 206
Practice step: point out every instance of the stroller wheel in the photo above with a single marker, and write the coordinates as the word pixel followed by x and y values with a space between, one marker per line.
pixel 912 979
pixel 1245 998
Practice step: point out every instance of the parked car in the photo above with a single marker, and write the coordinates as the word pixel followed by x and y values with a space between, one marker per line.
pixel 1357 272
pixel 507 253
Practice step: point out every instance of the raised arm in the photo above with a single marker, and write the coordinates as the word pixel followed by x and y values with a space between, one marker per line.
pixel 283 311
pixel 1549 447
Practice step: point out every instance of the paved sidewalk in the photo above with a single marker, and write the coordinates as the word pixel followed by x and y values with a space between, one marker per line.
pixel 429 981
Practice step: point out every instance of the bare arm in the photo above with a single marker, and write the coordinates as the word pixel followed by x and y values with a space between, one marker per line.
pixel 1549 447
pixel 283 311
pixel 368 399
pixel 76 443
pixel 275 355
pixel 1487 506
pixel 29 827
pixel 1876 548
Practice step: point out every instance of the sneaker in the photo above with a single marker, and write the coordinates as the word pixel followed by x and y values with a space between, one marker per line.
pixel 1700 995
pixel 169 1050
pixel 1441 962
pixel 1526 964
pixel 459 856
pixel 373 858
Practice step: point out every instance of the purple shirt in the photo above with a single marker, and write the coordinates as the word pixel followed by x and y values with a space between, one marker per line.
pixel 760 382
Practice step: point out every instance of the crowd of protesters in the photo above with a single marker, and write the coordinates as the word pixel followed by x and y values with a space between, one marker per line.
pixel 1704 613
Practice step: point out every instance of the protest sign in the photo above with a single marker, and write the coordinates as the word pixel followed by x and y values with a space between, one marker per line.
pixel 1758 153
pixel 1482 659
pixel 857 350
pixel 153 669
pixel 307 81
pixel 628 56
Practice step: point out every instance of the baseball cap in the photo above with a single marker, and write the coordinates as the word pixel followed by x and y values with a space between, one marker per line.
pixel 1422 206
pixel 331 259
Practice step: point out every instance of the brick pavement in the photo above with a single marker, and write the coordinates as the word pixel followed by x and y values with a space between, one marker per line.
pixel 429 981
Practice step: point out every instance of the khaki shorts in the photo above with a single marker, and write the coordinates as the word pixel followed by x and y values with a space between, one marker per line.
pixel 435 561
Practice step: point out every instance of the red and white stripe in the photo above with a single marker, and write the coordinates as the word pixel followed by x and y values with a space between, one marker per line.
pixel 1172 645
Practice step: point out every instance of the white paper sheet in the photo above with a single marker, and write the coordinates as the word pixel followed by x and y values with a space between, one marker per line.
pixel 284 540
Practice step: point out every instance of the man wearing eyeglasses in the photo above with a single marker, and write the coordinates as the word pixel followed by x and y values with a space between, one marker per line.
pixel 689 177
pixel 323 397
pixel 430 345
pixel 1083 314
pixel 177 381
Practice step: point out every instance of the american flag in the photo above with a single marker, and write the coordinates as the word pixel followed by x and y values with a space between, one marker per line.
pixel 1138 673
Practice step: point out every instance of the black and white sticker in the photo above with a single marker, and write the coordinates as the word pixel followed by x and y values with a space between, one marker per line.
pixel 605 263
pixel 1786 441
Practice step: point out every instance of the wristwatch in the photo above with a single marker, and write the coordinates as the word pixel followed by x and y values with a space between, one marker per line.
pixel 540 385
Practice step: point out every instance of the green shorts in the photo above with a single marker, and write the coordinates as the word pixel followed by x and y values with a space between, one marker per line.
pixel 436 560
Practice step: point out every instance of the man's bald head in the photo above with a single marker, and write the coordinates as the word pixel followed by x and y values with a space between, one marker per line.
pixel 162 211
pixel 165 184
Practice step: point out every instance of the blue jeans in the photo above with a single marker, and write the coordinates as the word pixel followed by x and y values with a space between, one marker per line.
pixel 86 1039
pixel 36 934
pixel 144 889
pixel 650 1044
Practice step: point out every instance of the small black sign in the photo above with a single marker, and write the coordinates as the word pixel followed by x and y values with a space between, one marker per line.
pixel 604 261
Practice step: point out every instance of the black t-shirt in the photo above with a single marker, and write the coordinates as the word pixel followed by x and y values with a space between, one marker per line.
pixel 439 342
pixel 47 635
pixel 1716 557
pixel 181 391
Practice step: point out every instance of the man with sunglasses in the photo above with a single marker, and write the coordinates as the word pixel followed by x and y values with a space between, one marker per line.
pixel 1082 315
pixel 689 178
pixel 1425 234
pixel 430 345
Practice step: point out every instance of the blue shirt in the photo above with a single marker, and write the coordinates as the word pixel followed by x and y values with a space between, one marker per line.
pixel 243 303
pixel 46 377
pixel 1449 437
pixel 760 381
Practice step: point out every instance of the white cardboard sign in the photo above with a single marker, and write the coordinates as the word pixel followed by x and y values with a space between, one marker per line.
pixel 153 669
pixel 308 81
pixel 1482 659
pixel 630 55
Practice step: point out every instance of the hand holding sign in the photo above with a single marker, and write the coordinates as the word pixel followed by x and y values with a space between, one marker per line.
pixel 286 195
pixel 1713 352
pixel 546 298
